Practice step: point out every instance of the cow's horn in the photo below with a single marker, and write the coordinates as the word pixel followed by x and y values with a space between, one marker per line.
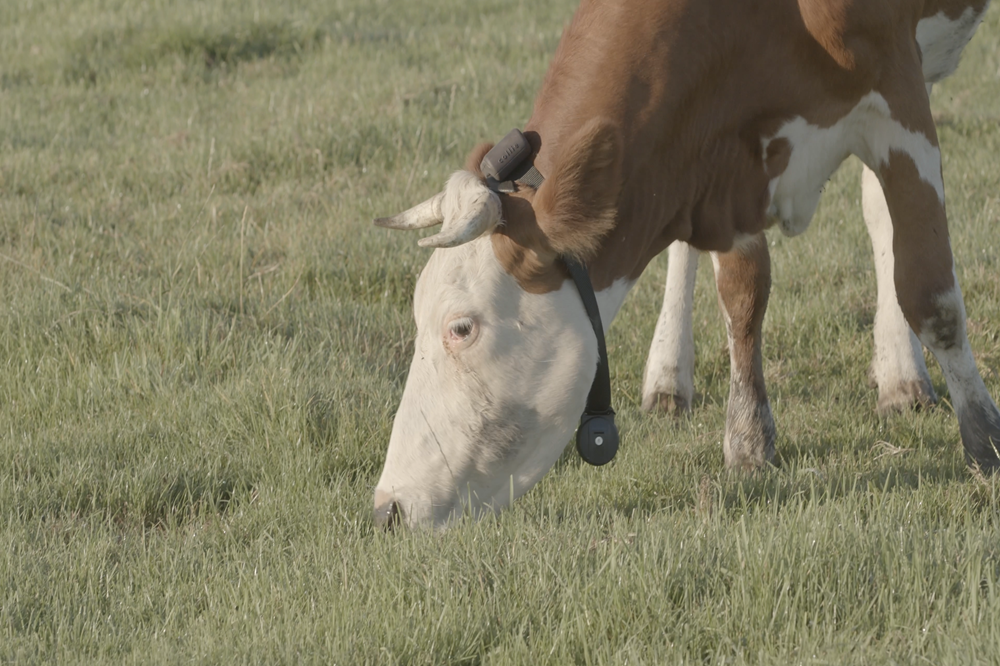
pixel 467 207
pixel 425 214
pixel 470 210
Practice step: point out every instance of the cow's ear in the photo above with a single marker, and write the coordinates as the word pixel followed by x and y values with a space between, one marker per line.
pixel 577 204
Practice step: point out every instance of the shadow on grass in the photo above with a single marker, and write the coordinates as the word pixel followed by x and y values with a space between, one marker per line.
pixel 349 440
pixel 776 490
pixel 97 54
pixel 191 495
pixel 167 502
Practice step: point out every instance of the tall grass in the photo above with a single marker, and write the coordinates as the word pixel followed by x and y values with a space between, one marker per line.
pixel 203 342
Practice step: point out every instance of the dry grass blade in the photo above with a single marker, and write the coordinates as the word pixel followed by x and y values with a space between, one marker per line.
pixel 888 449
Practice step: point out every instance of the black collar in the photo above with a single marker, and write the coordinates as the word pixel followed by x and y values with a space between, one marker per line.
pixel 597 435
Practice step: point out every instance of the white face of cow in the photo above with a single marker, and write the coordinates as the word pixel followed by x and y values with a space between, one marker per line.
pixel 498 381
pixel 500 376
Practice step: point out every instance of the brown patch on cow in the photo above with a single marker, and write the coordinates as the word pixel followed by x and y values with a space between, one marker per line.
pixel 920 245
pixel 953 9
pixel 826 22
pixel 523 249
pixel 923 264
pixel 946 329
pixel 779 153
pixel 692 89
pixel 743 280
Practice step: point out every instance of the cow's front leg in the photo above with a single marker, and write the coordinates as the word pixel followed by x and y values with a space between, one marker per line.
pixel 743 279
pixel 910 171
pixel 668 382
pixel 898 367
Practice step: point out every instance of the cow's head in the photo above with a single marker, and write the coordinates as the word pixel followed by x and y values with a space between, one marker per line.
pixel 504 354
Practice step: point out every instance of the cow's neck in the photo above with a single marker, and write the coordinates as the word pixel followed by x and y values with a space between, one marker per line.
pixel 638 236
pixel 592 78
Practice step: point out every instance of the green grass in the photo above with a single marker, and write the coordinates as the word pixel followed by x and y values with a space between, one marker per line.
pixel 203 341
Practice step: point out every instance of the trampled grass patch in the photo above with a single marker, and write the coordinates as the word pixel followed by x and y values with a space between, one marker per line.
pixel 203 342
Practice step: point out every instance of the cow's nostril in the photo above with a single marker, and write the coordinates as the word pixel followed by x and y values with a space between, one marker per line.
pixel 387 512
pixel 387 517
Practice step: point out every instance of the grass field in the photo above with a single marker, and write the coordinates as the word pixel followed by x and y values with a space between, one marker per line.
pixel 203 341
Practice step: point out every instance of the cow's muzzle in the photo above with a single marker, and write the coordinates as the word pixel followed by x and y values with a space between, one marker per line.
pixel 387 513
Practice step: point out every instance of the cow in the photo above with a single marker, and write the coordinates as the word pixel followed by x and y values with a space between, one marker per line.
pixel 660 122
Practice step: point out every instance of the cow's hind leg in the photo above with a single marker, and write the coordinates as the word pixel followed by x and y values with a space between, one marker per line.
pixel 743 279
pixel 898 366
pixel 668 382
pixel 910 171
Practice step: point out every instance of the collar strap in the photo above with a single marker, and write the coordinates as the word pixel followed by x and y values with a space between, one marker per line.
pixel 505 166
pixel 597 434
pixel 599 398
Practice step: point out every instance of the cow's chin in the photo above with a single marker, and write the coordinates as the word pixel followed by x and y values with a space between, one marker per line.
pixel 475 499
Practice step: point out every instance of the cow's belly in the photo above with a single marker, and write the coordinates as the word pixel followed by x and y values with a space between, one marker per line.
pixel 942 40
pixel 867 131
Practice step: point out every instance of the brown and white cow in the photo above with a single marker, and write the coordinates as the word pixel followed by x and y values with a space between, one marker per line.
pixel 700 121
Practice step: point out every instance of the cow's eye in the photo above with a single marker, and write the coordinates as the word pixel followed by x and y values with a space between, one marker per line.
pixel 461 330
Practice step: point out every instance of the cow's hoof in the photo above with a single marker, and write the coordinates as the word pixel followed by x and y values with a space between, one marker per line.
pixel 750 436
pixel 667 403
pixel 748 454
pixel 980 428
pixel 905 396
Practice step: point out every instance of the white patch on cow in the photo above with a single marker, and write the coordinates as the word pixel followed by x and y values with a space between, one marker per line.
pixel 670 365
pixel 942 40
pixel 480 425
pixel 867 131
pixel 609 301
pixel 898 365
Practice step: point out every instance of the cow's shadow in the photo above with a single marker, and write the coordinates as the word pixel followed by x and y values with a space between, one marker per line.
pixel 779 489
pixel 806 474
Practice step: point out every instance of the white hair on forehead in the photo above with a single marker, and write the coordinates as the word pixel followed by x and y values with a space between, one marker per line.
pixel 452 274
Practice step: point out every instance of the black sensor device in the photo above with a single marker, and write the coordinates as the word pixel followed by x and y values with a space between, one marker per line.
pixel 597 438
pixel 506 156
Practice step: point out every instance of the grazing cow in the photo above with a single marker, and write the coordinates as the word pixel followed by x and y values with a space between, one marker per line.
pixel 702 121
pixel 898 368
